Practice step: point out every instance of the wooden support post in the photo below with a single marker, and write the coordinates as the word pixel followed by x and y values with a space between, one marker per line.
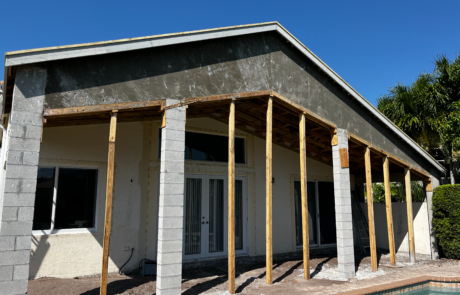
pixel 108 203
pixel 268 189
pixel 231 199
pixel 410 223
pixel 370 209
pixel 391 241
pixel 303 178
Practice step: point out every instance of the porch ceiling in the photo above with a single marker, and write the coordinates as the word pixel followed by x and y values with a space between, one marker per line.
pixel 250 117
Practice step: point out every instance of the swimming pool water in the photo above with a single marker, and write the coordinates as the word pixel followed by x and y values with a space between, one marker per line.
pixel 430 290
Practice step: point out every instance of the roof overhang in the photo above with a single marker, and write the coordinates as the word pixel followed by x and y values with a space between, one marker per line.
pixel 98 48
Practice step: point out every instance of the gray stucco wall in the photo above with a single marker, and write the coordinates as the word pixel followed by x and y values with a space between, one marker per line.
pixel 262 61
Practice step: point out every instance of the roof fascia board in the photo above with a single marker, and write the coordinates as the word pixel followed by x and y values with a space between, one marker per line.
pixel 356 95
pixel 99 49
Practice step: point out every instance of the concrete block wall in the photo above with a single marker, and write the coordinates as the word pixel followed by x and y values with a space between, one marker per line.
pixel 343 214
pixel 17 199
pixel 170 214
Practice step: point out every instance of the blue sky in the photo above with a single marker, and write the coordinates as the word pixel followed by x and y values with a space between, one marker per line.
pixel 371 44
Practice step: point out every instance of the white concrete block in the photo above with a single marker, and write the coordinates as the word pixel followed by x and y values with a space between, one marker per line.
pixel 171 211
pixel 15 228
pixel 168 155
pixel 176 166
pixel 165 234
pixel 172 177
pixel 170 246
pixel 171 282
pixel 170 222
pixel 26 213
pixel 14 287
pixel 6 243
pixel 21 199
pixel 14 257
pixel 30 158
pixel 23 242
pixel 21 272
pixel 6 273
pixel 173 189
pixel 10 213
pixel 170 270
pixel 171 200
pixel 20 171
pixel 167 258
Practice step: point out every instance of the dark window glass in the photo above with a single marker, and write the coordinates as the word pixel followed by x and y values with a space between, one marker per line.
pixel 44 199
pixel 210 147
pixel 76 198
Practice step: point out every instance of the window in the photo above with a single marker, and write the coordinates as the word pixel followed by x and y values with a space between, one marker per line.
pixel 210 147
pixel 65 198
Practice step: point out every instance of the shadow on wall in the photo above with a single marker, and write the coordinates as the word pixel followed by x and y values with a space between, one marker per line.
pixel 400 226
pixel 41 248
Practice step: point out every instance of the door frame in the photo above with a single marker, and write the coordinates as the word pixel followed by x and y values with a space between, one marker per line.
pixel 205 207
pixel 318 217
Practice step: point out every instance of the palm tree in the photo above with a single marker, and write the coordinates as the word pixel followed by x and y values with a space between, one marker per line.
pixel 447 95
pixel 411 108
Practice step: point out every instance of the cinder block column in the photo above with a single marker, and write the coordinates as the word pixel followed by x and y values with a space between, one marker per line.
pixel 18 198
pixel 429 202
pixel 171 210
pixel 343 215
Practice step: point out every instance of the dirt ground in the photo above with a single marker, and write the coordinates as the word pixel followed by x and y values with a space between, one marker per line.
pixel 250 278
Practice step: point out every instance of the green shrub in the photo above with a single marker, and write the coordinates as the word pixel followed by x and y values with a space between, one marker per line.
pixel 446 218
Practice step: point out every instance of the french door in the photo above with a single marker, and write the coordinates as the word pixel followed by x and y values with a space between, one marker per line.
pixel 205 216
pixel 321 213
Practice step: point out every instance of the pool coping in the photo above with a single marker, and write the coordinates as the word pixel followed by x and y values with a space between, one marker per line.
pixel 399 284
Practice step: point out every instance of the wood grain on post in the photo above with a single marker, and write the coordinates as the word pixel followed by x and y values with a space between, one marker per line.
pixel 303 176
pixel 391 241
pixel 108 203
pixel 268 189
pixel 370 209
pixel 410 222
pixel 231 199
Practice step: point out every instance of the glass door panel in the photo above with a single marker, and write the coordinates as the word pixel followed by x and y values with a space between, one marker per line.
pixel 239 215
pixel 192 217
pixel 327 213
pixel 216 215
pixel 312 218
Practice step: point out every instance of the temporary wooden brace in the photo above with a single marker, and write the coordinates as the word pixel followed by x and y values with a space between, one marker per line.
pixel 410 223
pixel 268 188
pixel 108 203
pixel 303 176
pixel 391 241
pixel 231 199
pixel 370 209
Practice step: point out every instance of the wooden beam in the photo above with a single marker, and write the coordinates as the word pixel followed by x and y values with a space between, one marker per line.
pixel 105 108
pixel 268 190
pixel 410 222
pixel 231 199
pixel 428 185
pixel 370 209
pixel 392 157
pixel 108 203
pixel 344 158
pixel 386 179
pixel 303 178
